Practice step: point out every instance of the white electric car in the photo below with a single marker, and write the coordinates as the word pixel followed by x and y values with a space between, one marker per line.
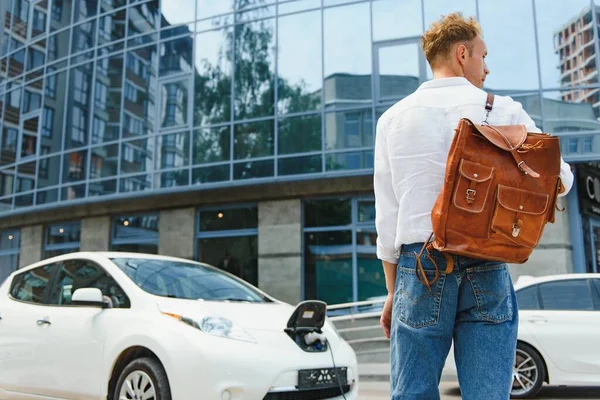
pixel 559 333
pixel 101 325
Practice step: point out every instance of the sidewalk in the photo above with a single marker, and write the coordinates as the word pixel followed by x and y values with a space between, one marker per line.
pixel 380 372
pixel 374 383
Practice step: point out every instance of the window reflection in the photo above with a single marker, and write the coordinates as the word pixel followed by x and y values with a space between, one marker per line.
pixel 135 233
pixel 140 91
pixel 385 19
pixel 212 77
pixel 371 280
pixel 254 68
pixel 211 145
pixel 349 129
pixel 347 68
pixel 79 105
pixel 137 156
pixel 558 22
pixel 566 112
pixel 174 150
pixel 299 63
pixel 507 43
pixel 299 134
pixel 62 238
pixel 178 12
pixel 328 266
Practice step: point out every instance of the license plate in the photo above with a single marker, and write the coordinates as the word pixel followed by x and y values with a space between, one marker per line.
pixel 322 377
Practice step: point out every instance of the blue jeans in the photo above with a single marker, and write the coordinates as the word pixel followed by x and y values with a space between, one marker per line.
pixel 475 305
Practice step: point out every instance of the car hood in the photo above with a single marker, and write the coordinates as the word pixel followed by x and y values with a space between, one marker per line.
pixel 254 316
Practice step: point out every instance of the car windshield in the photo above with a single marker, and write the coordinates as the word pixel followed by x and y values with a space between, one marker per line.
pixel 186 280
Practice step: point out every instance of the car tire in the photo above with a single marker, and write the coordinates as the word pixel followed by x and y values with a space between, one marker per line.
pixel 529 373
pixel 144 376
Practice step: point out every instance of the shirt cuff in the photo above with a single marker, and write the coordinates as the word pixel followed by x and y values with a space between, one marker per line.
pixel 387 254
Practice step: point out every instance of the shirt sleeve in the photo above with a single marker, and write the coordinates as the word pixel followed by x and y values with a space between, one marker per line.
pixel 566 175
pixel 386 204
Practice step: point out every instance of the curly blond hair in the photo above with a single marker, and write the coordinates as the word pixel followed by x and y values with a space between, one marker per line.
pixel 443 34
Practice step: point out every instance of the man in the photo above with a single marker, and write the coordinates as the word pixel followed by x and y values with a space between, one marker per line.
pixel 476 303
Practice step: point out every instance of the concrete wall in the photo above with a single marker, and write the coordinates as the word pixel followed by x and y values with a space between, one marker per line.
pixel 95 234
pixel 554 252
pixel 32 242
pixel 176 232
pixel 280 249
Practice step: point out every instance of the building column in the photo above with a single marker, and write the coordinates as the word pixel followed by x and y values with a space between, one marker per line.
pixel 280 249
pixel 554 253
pixel 32 242
pixel 177 233
pixel 95 234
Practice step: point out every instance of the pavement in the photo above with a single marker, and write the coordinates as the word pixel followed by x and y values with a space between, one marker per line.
pixel 374 385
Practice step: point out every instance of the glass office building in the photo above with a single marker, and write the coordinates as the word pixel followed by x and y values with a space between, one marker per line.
pixel 240 132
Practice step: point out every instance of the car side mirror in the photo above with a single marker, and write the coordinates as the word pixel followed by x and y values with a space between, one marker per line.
pixel 88 297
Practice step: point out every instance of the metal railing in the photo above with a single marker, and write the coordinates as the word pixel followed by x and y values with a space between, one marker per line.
pixel 358 324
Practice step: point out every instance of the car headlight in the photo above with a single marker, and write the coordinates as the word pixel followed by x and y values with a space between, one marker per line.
pixel 217 326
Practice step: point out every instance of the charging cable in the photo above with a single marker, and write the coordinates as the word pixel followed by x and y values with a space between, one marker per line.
pixel 337 375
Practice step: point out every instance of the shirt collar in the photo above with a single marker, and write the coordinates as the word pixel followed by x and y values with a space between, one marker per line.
pixel 444 82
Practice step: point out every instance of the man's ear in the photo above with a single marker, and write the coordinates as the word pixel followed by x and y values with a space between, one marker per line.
pixel 462 53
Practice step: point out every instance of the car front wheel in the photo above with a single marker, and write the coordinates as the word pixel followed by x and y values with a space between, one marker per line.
pixel 528 373
pixel 143 378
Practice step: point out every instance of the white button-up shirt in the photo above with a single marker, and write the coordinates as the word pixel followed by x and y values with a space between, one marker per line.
pixel 411 147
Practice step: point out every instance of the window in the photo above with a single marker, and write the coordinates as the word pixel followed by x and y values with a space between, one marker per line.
pixel 81 87
pixel 39 20
pixel 573 144
pixel 528 298
pixel 52 49
pixel 48 122
pixel 340 243
pixel 79 124
pixel 10 243
pixel 588 144
pixel 9 140
pixel 62 238
pixel 100 95
pixel 51 85
pixel 102 66
pixel 134 126
pixel 135 233
pixel 57 7
pixel 31 101
pixel 32 286
pixel 76 162
pixel 228 240
pixel 35 60
pixel 131 93
pixel 77 274
pixel 186 280
pixel 99 130
pixel 44 163
pixel 96 167
pixel 574 295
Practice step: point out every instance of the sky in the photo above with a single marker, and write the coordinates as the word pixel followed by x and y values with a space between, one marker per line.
pixel 507 26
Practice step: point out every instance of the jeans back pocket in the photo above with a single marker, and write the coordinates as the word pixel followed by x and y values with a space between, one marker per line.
pixel 414 305
pixel 492 289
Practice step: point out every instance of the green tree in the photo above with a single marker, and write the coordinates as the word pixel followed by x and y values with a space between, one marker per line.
pixel 250 48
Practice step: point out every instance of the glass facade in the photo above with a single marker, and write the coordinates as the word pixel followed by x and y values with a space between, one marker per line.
pixel 135 233
pixel 108 98
pixel 10 242
pixel 227 238
pixel 62 238
pixel 340 251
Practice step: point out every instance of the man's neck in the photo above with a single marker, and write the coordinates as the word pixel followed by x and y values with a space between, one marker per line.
pixel 447 72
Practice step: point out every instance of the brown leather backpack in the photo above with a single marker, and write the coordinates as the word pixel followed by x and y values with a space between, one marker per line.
pixel 500 189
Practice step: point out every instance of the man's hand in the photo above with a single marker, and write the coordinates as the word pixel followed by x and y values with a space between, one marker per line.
pixel 386 315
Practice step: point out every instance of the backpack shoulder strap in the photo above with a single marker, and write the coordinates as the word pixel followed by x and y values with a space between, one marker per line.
pixel 489 104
